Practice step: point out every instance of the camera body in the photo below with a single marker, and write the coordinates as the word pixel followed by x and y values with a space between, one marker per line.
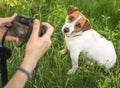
pixel 22 28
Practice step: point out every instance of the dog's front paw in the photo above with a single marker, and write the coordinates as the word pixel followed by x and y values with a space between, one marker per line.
pixel 71 72
pixel 62 52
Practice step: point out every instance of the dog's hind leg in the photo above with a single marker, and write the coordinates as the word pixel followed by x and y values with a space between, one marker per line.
pixel 74 57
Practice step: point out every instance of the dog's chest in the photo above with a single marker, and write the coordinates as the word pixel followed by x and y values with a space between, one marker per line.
pixel 74 43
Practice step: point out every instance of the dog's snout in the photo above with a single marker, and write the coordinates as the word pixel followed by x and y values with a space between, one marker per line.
pixel 66 30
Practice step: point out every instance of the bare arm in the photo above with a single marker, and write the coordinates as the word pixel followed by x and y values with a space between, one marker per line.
pixel 36 47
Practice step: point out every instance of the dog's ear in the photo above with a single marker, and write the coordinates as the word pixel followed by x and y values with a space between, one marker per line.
pixel 71 9
pixel 87 25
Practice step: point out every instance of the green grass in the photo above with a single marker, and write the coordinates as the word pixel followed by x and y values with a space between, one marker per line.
pixel 104 16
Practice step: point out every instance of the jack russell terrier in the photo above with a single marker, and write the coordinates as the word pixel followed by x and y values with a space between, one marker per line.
pixel 80 37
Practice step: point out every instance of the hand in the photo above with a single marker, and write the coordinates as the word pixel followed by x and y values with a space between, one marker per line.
pixel 37 46
pixel 3 23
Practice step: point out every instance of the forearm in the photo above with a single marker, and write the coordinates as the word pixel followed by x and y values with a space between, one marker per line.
pixel 20 78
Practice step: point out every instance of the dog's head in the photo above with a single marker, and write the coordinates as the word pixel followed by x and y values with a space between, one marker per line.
pixel 75 22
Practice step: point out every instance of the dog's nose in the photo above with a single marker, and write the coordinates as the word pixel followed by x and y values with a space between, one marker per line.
pixel 66 30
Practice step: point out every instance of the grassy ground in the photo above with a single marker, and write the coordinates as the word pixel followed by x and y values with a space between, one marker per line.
pixel 104 16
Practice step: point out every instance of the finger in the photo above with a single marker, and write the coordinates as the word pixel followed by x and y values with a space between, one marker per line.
pixel 36 27
pixel 49 30
pixel 9 19
pixel 11 38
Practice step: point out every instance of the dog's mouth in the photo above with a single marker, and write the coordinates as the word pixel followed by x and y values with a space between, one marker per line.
pixel 68 30
pixel 67 35
pixel 72 34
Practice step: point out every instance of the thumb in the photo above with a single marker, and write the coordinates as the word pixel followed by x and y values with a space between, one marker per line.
pixel 36 27
pixel 9 19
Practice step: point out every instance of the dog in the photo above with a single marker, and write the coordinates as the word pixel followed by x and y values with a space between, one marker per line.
pixel 81 38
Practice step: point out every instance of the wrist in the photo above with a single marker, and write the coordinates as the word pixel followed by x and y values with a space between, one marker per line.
pixel 24 71
pixel 29 65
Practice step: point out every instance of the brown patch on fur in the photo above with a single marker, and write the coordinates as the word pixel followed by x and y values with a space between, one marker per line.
pixel 72 17
pixel 86 25
pixel 71 9
pixel 82 24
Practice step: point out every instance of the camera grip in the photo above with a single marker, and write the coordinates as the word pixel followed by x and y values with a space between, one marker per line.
pixel 42 30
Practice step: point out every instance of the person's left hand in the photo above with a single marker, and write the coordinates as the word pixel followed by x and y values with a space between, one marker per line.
pixel 4 22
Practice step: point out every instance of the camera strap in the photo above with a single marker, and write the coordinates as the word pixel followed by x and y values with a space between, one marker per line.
pixel 5 53
pixel 34 75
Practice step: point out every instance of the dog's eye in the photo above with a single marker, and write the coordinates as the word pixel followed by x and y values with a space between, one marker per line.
pixel 71 18
pixel 78 25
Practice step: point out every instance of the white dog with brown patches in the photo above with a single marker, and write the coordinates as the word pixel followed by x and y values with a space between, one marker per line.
pixel 80 37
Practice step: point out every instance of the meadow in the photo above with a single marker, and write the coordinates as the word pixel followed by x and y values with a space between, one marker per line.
pixel 104 16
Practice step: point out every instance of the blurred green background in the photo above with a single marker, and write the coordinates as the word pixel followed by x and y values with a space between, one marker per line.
pixel 104 16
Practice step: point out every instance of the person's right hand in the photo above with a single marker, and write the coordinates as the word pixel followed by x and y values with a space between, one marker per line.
pixel 37 46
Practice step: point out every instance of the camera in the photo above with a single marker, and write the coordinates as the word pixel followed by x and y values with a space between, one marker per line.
pixel 22 26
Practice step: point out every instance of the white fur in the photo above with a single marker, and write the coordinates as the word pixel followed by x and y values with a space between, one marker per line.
pixel 97 49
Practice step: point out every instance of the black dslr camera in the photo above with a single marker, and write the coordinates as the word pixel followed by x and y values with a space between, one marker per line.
pixel 22 28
